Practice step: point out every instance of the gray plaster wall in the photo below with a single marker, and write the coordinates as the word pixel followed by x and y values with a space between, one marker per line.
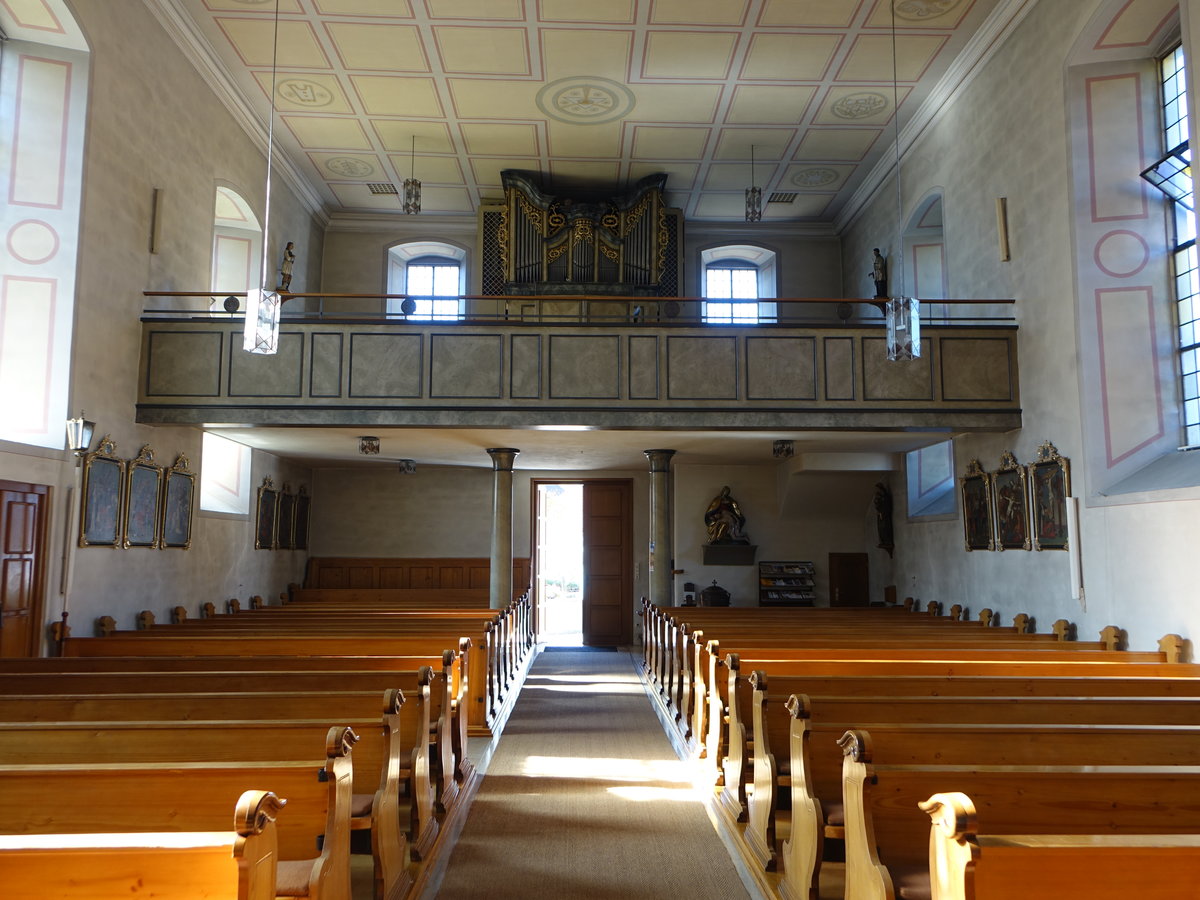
pixel 356 254
pixel 1136 552
pixel 443 511
pixel 154 123
pixel 780 532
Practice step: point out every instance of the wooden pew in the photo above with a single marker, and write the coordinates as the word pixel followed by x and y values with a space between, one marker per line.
pixel 728 698
pixel 796 752
pixel 222 865
pixel 965 864
pixel 434 773
pixel 391 758
pixel 117 797
pixel 887 850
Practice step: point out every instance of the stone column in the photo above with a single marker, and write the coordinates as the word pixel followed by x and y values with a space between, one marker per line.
pixel 500 584
pixel 660 527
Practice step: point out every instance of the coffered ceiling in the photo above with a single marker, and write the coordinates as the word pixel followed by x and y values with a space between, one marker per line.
pixel 591 93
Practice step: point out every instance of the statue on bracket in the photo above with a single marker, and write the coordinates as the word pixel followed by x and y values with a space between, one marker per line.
pixel 724 520
pixel 883 518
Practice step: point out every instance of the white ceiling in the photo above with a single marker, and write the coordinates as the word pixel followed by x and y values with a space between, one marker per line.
pixel 559 450
pixel 594 93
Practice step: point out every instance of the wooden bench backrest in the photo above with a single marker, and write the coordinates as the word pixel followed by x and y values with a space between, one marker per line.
pixel 237 864
pixel 884 825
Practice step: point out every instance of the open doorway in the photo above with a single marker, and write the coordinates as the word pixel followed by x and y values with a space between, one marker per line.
pixel 559 563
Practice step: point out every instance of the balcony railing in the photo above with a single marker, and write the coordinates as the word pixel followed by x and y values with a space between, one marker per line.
pixel 604 362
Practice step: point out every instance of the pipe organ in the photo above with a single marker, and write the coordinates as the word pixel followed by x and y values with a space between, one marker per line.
pixel 626 245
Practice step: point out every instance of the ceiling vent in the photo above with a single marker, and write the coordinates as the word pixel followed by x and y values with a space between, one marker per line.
pixel 782 198
pixel 383 188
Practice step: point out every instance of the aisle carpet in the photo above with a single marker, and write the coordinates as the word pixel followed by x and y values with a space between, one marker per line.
pixel 585 798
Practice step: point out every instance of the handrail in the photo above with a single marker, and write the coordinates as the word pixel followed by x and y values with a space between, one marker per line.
pixel 289 295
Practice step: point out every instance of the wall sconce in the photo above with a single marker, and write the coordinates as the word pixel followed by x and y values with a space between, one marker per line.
pixel 783 449
pixel 368 445
pixel 79 434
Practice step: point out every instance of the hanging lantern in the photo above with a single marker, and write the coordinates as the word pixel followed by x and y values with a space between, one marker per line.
pixel 411 203
pixel 903 328
pixel 753 195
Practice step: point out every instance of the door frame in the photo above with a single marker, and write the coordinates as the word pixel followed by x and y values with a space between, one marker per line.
pixel 627 593
pixel 41 563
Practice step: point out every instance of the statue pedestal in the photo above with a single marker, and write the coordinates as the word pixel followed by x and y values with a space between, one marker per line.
pixel 729 554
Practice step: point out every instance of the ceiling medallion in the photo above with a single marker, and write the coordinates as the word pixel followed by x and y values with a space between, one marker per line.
pixel 585 100
pixel 860 105
pixel 924 9
pixel 349 167
pixel 304 93
pixel 813 178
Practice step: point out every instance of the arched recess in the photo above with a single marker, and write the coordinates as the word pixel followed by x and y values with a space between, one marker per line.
pixel 43 114
pixel 1129 369
pixel 237 243
pixel 925 253
pixel 761 289
pixel 440 290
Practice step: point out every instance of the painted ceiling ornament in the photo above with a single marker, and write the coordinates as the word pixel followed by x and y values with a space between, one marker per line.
pixel 860 105
pixel 924 9
pixel 349 167
pixel 304 93
pixel 814 177
pixel 585 100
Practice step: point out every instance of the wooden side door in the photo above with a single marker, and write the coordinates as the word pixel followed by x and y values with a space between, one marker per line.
pixel 849 579
pixel 24 510
pixel 607 563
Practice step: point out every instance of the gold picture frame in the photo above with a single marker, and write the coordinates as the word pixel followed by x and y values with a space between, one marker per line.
pixel 1010 493
pixel 1049 488
pixel 266 519
pixel 976 490
pixel 143 492
pixel 178 500
pixel 102 494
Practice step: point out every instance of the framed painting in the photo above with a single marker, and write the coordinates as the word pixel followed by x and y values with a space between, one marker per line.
pixel 1011 492
pixel 267 518
pixel 302 507
pixel 179 489
pixel 103 494
pixel 286 539
pixel 977 508
pixel 143 490
pixel 1049 488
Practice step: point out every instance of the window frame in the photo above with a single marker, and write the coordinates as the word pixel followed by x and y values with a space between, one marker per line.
pixel 733 258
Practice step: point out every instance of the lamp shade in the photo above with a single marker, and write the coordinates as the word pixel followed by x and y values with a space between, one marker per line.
pixel 79 434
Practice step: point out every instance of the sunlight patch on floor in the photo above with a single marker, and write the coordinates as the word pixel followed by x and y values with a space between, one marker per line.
pixel 632 771
pixel 601 687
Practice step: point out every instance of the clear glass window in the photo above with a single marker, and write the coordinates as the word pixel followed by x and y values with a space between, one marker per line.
pixel 1184 258
pixel 731 296
pixel 224 475
pixel 434 287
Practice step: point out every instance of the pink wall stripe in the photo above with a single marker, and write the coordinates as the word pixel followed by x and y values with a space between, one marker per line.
pixel 39 155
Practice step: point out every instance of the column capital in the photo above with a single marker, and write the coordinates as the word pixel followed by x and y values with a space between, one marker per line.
pixel 660 460
pixel 503 458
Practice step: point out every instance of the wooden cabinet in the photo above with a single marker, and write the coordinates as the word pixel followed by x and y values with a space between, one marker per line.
pixel 786 583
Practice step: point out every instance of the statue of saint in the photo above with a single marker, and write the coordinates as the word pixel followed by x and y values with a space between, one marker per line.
pixel 883 518
pixel 285 267
pixel 724 520
pixel 879 274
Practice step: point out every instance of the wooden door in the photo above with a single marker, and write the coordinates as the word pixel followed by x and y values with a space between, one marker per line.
pixel 24 509
pixel 607 563
pixel 849 582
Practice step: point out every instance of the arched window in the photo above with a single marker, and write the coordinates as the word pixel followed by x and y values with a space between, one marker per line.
pixel 738 285
pixel 432 274
pixel 237 244
pixel 43 116
pixel 925 253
